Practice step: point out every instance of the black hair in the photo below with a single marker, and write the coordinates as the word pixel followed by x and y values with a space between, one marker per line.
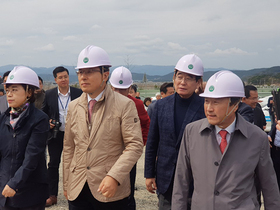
pixel 58 70
pixel 41 79
pixel 249 88
pixel 134 87
pixel 234 100
pixel 164 86
pixel 30 87
pixel 147 99
pixel 6 74
pixel 192 76
pixel 2 90
pixel 105 68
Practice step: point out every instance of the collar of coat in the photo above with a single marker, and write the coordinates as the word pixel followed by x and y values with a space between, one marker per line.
pixel 239 126
pixel 83 101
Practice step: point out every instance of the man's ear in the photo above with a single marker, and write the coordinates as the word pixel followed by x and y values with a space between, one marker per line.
pixel 106 76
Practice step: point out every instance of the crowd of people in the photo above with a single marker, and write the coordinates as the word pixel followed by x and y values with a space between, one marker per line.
pixel 205 142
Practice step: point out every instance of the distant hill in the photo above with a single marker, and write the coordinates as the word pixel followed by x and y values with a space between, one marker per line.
pixel 154 73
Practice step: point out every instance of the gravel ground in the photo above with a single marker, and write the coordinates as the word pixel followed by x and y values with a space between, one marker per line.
pixel 144 199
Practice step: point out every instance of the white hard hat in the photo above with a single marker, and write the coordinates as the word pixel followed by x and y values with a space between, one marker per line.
pixel 223 84
pixel 23 75
pixel 121 78
pixel 190 64
pixel 93 56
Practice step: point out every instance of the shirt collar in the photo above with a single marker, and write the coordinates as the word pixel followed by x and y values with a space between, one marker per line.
pixel 229 129
pixel 96 98
pixel 59 93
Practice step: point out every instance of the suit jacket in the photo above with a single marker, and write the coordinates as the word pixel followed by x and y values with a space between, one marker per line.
pixel 3 104
pixel 50 104
pixel 224 181
pixel 111 147
pixel 246 112
pixel 151 108
pixel 259 117
pixel 162 146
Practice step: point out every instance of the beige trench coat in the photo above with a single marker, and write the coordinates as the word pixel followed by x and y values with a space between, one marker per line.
pixel 111 146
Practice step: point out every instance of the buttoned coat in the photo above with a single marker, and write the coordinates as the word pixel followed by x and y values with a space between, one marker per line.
pixel 22 158
pixel 163 146
pixel 110 147
pixel 223 182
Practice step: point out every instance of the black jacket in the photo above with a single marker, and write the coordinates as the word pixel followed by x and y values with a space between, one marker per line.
pixel 22 158
pixel 246 112
pixel 50 104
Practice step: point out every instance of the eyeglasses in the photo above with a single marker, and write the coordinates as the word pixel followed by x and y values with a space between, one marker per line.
pixel 187 79
pixel 86 72
pixel 253 99
pixel 11 90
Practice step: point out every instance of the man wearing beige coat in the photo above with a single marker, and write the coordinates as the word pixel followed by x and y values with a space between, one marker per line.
pixel 102 140
pixel 222 154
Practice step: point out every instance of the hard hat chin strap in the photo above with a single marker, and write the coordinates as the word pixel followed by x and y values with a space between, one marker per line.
pixel 227 114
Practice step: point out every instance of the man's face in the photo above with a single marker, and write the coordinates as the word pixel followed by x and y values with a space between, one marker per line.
pixel 132 92
pixel 218 111
pixel 158 97
pixel 252 100
pixel 170 91
pixel 185 84
pixel 62 79
pixel 41 87
pixel 4 81
pixel 92 81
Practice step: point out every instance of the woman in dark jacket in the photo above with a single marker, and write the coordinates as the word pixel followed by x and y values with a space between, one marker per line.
pixel 23 128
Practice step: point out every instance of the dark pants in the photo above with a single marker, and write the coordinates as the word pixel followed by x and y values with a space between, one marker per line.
pixel 166 198
pixel 85 201
pixel 36 207
pixel 55 147
pixel 131 199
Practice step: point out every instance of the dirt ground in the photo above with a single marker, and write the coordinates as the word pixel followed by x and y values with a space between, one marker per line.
pixel 144 199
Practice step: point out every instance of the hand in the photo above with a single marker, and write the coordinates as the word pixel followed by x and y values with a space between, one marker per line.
pixel 65 194
pixel 108 187
pixel 8 192
pixel 151 185
pixel 51 125
pixel 278 125
pixel 270 141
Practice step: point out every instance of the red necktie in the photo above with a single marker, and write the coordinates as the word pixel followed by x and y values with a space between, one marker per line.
pixel 223 145
pixel 91 105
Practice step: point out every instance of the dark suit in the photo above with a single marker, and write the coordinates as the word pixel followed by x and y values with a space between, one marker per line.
pixel 163 146
pixel 246 112
pixel 55 145
pixel 3 104
pixel 275 154
pixel 259 118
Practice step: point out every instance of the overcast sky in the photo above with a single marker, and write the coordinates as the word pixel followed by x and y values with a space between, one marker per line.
pixel 234 34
